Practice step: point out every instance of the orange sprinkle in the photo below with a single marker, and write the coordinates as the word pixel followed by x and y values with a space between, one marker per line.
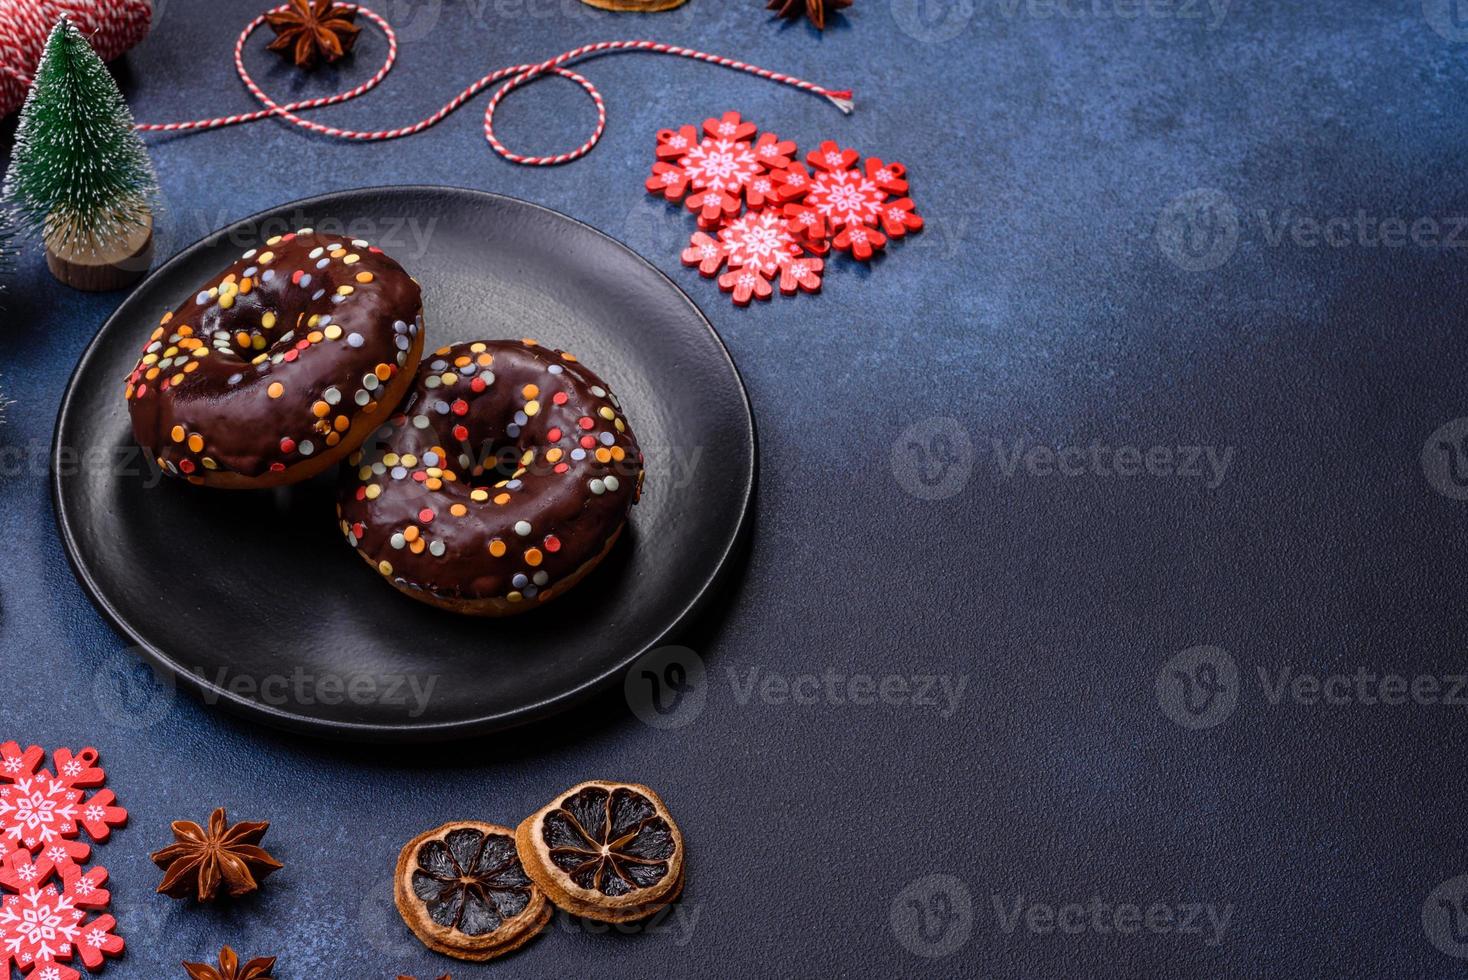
pixel 383 372
pixel 342 423
pixel 178 433
pixel 533 557
pixel 530 391
pixel 497 547
pixel 196 443
pixel 321 410
pixel 411 532
pixel 275 390
pixel 364 277
pixel 502 499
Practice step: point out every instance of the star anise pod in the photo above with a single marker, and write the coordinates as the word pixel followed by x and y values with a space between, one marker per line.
pixel 816 10
pixel 312 28
pixel 230 968
pixel 202 859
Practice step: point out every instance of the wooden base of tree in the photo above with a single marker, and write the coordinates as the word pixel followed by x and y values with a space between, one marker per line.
pixel 101 270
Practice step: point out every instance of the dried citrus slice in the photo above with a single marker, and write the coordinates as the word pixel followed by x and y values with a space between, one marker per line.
pixel 462 890
pixel 604 851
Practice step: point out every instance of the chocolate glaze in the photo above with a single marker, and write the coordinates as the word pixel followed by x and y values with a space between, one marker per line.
pixel 483 454
pixel 197 377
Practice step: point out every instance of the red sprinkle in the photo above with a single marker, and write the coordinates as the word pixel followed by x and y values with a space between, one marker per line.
pixel 552 543
pixel 425 515
pixel 562 467
pixel 460 407
pixel 187 465
pixel 588 442
pixel 586 422
pixel 461 432
pixel 296 277
pixel 277 467
pixel 560 398
pixel 287 445
pixel 291 354
pixel 554 435
pixel 478 384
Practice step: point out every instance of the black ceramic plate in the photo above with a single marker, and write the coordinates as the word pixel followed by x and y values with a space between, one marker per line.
pixel 254 599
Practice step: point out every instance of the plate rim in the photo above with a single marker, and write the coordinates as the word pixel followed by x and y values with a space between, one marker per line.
pixel 279 718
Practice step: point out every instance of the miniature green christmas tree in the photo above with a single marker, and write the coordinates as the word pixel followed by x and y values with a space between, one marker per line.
pixel 79 174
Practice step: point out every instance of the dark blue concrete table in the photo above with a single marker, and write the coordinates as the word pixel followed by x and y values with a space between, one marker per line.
pixel 1178 364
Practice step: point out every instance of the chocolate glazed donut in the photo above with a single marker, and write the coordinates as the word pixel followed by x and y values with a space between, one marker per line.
pixel 508 475
pixel 280 365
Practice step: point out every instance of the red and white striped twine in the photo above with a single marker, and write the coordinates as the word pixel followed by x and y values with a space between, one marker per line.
pixel 518 75
pixel 112 26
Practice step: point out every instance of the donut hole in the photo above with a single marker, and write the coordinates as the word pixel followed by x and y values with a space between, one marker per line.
pixel 495 460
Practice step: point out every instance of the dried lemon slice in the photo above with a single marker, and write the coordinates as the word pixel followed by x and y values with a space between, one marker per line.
pixel 462 890
pixel 604 851
pixel 637 6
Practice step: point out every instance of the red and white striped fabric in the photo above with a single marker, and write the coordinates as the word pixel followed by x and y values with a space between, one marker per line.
pixel 112 26
pixel 513 77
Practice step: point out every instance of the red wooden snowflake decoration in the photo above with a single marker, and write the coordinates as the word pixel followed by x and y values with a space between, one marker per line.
pixel 764 218
pixel 43 928
pixel 755 248
pixel 42 812
pixel 724 169
pixel 855 205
